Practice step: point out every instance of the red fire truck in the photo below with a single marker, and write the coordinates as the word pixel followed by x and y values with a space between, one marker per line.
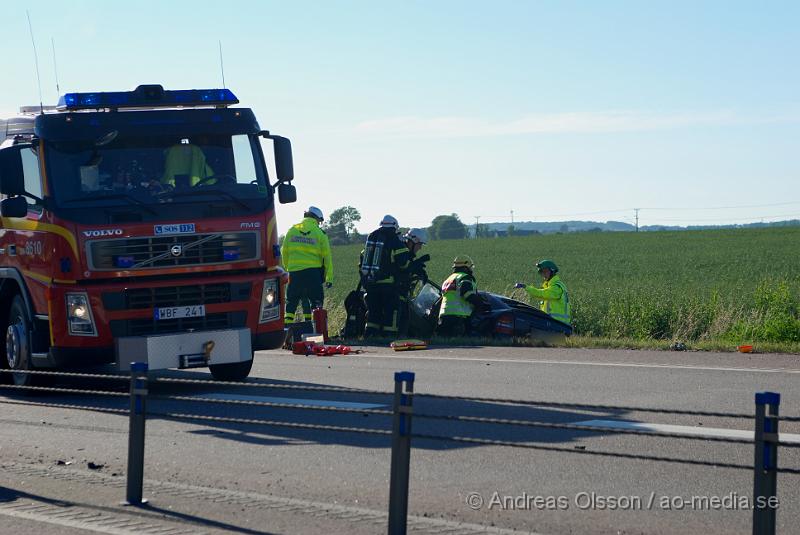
pixel 140 226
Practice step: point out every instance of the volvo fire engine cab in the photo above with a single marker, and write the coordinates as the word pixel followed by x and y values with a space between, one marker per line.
pixel 139 226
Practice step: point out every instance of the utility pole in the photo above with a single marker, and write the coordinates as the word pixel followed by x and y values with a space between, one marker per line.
pixel 636 210
pixel 512 217
pixel 477 224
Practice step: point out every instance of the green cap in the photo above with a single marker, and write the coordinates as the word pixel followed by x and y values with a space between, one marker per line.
pixel 549 264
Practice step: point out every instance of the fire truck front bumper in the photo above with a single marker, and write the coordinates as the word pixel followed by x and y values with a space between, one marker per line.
pixel 185 350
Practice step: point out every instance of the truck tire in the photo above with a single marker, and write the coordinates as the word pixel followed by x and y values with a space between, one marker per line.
pixel 18 344
pixel 235 371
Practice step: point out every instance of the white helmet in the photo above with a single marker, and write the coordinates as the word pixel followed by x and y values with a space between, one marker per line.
pixel 417 235
pixel 389 221
pixel 315 212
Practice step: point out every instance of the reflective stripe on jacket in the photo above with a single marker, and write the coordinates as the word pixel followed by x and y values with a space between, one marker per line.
pixel 306 246
pixel 553 298
pixel 455 291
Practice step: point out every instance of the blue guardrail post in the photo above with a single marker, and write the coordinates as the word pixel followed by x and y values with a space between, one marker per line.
pixel 765 484
pixel 401 452
pixel 138 415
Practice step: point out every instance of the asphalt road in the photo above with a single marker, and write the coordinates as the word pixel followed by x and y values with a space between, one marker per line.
pixel 216 476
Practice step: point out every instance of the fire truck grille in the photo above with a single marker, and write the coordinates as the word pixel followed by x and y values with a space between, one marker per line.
pixel 158 252
pixel 173 296
pixel 145 326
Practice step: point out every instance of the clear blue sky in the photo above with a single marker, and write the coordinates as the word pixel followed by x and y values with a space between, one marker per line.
pixel 556 110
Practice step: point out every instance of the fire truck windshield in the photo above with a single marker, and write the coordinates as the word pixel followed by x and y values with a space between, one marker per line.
pixel 160 172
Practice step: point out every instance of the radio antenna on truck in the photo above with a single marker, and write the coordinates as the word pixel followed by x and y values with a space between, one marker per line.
pixel 36 61
pixel 55 65
pixel 221 66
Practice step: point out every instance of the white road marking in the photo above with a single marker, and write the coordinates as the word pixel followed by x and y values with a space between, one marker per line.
pixel 687 430
pixel 294 401
pixel 609 364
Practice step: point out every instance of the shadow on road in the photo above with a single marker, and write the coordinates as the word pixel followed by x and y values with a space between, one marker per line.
pixel 277 435
pixel 9 495
pixel 201 521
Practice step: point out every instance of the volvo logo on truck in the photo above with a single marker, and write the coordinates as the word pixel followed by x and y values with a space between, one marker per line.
pixel 101 233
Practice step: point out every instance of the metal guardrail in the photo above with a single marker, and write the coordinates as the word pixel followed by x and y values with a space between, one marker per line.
pixel 766 439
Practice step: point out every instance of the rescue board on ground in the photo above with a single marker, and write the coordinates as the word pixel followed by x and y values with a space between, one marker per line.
pixel 408 345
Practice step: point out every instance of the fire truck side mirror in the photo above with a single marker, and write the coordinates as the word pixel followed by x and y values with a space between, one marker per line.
pixel 286 193
pixel 12 179
pixel 284 166
pixel 14 207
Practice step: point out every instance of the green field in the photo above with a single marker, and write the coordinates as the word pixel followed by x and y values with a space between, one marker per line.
pixel 724 286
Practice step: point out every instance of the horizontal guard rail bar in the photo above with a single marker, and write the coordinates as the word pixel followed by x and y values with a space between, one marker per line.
pixel 588 407
pixel 271 404
pixel 125 378
pixel 275 386
pixel 65 390
pixel 576 427
pixel 182 416
pixel 69 406
pixel 527 445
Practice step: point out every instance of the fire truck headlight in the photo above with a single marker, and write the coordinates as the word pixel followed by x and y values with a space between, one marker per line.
pixel 270 301
pixel 79 315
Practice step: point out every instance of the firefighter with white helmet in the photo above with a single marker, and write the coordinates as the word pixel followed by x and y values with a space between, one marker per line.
pixel 414 239
pixel 306 255
pixel 459 299
pixel 383 262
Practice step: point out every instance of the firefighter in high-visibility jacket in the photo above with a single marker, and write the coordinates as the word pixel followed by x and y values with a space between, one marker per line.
pixel 459 299
pixel 552 296
pixel 306 255
pixel 186 159
pixel 383 262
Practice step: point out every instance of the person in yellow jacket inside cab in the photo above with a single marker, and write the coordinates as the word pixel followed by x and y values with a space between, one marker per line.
pixel 183 158
pixel 306 255
pixel 552 296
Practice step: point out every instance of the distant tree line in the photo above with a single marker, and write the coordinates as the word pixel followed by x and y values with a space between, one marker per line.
pixel 341 227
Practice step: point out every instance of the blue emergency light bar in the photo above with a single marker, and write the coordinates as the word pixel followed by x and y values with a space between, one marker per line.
pixel 147 96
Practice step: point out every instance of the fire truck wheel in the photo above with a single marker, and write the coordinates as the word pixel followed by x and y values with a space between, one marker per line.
pixel 17 340
pixel 236 371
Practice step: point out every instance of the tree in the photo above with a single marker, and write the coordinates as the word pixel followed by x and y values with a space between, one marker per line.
pixel 347 216
pixel 510 230
pixel 447 227
pixel 341 225
pixel 564 228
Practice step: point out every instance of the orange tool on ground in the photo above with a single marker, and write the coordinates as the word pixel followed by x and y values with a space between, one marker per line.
pixel 408 345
